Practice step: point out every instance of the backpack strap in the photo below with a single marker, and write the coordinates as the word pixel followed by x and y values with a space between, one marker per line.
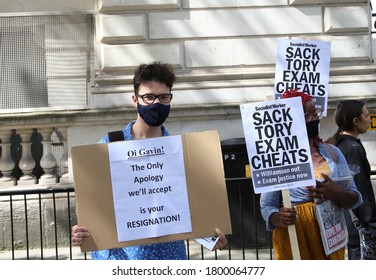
pixel 115 136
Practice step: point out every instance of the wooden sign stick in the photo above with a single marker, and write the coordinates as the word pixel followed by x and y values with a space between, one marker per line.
pixel 291 228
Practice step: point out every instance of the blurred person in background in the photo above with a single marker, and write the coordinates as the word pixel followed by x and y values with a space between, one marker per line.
pixel 352 119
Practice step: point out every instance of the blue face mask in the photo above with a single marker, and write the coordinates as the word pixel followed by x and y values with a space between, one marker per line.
pixel 154 114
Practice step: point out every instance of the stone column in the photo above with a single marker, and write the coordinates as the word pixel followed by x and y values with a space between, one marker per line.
pixel 48 161
pixel 27 162
pixel 6 162
pixel 65 177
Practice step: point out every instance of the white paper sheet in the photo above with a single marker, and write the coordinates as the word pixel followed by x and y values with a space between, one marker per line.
pixel 149 188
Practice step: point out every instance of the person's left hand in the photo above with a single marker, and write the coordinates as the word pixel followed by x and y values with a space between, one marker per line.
pixel 327 189
pixel 222 241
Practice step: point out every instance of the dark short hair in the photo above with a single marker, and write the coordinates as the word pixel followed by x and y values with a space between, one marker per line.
pixel 345 113
pixel 155 71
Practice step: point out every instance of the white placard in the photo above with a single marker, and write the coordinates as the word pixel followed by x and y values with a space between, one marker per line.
pixel 304 66
pixel 277 144
pixel 149 188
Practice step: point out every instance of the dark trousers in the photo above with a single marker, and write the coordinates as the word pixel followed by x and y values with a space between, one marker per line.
pixel 353 251
pixel 353 244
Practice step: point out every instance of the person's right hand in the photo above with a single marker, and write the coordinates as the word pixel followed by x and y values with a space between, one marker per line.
pixel 78 234
pixel 287 216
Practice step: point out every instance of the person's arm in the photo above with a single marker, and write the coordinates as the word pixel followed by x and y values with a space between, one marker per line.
pixel 328 189
pixel 272 212
pixel 283 218
pixel 222 241
pixel 78 234
pixel 347 195
pixel 366 211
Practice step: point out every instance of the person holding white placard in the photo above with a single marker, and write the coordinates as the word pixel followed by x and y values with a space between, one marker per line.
pixel 304 199
pixel 152 86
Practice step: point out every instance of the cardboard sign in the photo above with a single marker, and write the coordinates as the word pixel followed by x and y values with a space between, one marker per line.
pixel 205 182
pixel 277 146
pixel 304 66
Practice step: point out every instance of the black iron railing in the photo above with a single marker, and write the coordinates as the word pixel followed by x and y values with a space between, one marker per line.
pixel 36 225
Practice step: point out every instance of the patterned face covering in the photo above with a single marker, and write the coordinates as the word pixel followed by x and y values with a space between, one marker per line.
pixel 154 114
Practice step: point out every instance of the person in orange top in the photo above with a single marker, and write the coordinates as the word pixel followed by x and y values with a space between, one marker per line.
pixel 278 217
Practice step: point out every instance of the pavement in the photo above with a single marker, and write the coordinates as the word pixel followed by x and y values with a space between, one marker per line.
pixel 195 250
